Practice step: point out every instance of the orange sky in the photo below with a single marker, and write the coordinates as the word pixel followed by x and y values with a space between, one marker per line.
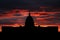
pixel 37 16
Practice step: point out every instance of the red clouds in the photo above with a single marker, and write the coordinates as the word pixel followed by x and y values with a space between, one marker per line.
pixel 13 18
pixel 41 17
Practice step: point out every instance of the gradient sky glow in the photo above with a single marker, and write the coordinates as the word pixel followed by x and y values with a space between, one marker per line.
pixel 44 12
pixel 45 19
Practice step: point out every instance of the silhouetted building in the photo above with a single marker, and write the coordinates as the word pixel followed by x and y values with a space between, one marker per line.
pixel 29 21
pixel 29 27
pixel 29 24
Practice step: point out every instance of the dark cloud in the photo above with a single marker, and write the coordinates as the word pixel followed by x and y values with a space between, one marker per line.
pixel 2 14
pixel 57 15
pixel 5 21
pixel 53 20
pixel 17 14
pixel 13 20
pixel 27 4
pixel 6 5
pixel 48 19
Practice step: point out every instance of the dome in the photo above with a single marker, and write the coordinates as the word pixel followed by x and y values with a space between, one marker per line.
pixel 29 21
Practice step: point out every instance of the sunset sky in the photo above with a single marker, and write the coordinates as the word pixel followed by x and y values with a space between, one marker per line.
pixel 44 12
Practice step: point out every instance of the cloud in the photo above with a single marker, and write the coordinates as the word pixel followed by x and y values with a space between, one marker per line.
pixel 48 18
pixel 27 4
pixel 18 20
pixel 53 20
pixel 57 15
pixel 5 21
pixel 40 18
pixel 17 14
